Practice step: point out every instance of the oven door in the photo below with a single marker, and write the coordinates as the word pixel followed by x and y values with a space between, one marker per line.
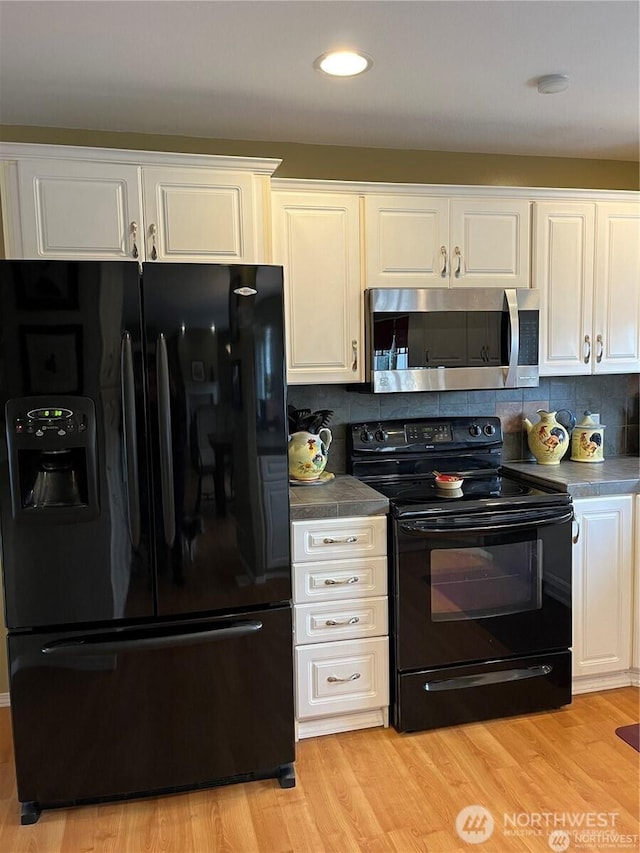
pixel 481 586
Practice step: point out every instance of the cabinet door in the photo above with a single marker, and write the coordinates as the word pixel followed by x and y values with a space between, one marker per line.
pixel 317 240
pixel 563 272
pixel 617 305
pixel 635 656
pixel 78 210
pixel 406 241
pixel 602 564
pixel 199 215
pixel 489 243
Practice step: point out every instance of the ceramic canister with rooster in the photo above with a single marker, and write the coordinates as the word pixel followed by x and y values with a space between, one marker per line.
pixel 587 440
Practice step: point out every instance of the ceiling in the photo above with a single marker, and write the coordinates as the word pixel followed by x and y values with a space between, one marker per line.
pixel 457 75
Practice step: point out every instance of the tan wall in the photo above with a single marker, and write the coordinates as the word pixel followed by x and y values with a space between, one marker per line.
pixel 330 162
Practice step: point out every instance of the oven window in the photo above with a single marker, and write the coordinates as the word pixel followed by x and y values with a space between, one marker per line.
pixel 469 583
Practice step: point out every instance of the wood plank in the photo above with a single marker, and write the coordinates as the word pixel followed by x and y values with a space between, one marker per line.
pixel 372 791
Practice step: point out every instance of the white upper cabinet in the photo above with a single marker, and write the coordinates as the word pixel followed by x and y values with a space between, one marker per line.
pixel 429 241
pixel 587 267
pixel 81 203
pixel 617 289
pixel 67 209
pixel 199 215
pixel 316 238
pixel 406 241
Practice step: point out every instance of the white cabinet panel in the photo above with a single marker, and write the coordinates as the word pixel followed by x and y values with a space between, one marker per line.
pixel 316 238
pixel 78 210
pixel 342 620
pixel 422 241
pixel 91 203
pixel 198 215
pixel 602 593
pixel 587 266
pixel 490 239
pixel 338 538
pixel 406 239
pixel 340 624
pixel 563 271
pixel 336 579
pixel 338 678
pixel 617 292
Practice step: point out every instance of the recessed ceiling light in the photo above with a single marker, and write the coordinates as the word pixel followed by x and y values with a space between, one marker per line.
pixel 343 63
pixel 551 84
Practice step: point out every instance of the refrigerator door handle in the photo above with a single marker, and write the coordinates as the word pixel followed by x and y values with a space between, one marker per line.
pixel 164 432
pixel 106 644
pixel 129 427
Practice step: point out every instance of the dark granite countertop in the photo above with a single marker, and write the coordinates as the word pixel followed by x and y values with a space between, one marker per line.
pixel 340 498
pixel 619 475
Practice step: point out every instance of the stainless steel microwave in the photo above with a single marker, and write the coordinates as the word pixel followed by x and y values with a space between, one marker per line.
pixel 441 339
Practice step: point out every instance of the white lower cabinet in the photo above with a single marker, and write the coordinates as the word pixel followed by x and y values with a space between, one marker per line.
pixel 340 624
pixel 635 654
pixel 602 593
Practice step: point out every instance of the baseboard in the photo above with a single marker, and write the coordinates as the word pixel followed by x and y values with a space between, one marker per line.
pixel 342 723
pixel 592 683
pixel 4 700
pixel 635 677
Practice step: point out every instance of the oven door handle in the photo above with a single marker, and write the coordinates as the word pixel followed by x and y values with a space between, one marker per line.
pixel 480 524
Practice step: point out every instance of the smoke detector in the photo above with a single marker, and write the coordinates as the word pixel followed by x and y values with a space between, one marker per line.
pixel 551 84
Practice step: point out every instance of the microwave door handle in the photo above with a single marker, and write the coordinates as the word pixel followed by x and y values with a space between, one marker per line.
pixel 514 328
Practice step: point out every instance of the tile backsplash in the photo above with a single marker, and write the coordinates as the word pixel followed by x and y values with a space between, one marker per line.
pixel 615 398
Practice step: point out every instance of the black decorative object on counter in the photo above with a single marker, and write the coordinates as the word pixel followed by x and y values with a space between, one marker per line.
pixel 304 420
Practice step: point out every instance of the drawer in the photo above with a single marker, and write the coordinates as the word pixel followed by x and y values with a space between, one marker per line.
pixel 336 579
pixel 342 677
pixel 340 620
pixel 338 538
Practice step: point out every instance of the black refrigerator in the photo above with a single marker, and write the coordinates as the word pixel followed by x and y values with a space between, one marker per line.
pixel 145 528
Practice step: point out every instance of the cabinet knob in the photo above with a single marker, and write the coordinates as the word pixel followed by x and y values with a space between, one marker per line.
pixel 333 679
pixel 331 623
pixel 354 351
pixel 587 351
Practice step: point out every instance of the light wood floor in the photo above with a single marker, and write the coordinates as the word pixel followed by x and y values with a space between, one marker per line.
pixel 373 791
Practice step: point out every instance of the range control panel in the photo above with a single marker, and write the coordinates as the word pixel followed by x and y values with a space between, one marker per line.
pixel 425 434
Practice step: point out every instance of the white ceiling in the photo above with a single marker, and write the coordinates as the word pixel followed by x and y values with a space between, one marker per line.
pixel 457 75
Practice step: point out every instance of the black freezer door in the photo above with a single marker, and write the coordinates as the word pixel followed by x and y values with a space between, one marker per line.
pixel 71 386
pixel 137 710
pixel 218 437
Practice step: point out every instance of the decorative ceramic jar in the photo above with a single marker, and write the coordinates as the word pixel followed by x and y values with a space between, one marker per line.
pixel 547 439
pixel 308 454
pixel 587 441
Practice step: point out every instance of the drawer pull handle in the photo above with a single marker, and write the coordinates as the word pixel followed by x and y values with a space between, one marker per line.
pixel 334 622
pixel 334 582
pixel 333 679
pixel 348 541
